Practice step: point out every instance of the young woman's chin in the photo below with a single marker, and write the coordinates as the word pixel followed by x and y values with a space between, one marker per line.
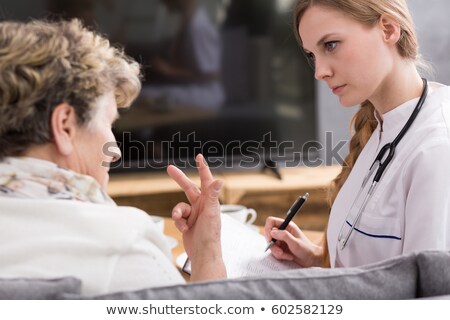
pixel 348 103
pixel 349 100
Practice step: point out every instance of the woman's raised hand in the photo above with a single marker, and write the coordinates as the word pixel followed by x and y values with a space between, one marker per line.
pixel 199 221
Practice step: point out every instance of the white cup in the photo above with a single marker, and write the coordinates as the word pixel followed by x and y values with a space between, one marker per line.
pixel 240 213
pixel 158 221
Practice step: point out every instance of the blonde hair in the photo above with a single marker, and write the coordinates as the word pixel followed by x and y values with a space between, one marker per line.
pixel 43 64
pixel 367 12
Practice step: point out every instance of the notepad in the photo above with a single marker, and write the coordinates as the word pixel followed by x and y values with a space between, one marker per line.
pixel 243 252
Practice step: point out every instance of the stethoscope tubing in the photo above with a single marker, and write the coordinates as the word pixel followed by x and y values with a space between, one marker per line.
pixel 380 166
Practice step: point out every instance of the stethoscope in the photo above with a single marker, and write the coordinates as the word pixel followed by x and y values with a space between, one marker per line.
pixel 379 165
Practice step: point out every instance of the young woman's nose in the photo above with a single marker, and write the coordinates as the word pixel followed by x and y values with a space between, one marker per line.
pixel 322 69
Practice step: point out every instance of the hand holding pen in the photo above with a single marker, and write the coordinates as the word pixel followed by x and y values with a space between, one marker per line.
pixel 290 214
pixel 290 243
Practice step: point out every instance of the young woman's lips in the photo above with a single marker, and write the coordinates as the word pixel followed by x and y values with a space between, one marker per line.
pixel 338 90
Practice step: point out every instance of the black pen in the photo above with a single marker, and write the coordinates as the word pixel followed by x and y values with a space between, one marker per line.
pixel 290 214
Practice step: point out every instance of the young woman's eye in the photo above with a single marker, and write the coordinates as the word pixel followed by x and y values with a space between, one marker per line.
pixel 331 45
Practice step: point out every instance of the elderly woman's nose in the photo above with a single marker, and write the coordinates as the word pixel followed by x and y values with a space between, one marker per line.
pixel 111 152
pixel 117 154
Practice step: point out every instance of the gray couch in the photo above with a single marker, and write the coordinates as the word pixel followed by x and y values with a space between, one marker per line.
pixel 421 275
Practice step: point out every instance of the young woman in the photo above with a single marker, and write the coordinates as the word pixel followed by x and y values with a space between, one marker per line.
pixel 393 194
pixel 366 51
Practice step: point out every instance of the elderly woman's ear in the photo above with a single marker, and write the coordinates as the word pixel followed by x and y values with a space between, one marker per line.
pixel 64 126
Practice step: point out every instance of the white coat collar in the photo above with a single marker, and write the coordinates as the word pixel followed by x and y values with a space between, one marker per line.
pixel 394 120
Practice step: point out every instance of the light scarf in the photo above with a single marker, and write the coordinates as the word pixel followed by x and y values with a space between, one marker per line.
pixel 24 177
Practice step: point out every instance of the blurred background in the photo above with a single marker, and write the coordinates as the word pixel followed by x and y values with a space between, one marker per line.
pixel 222 77
pixel 226 78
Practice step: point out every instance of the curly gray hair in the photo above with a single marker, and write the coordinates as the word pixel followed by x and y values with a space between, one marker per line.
pixel 43 64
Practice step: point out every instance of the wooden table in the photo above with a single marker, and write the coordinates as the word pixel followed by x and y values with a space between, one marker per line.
pixel 171 231
pixel 239 184
pixel 236 184
pixel 157 194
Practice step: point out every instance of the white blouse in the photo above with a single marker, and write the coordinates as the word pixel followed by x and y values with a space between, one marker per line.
pixel 410 208
pixel 110 248
pixel 57 223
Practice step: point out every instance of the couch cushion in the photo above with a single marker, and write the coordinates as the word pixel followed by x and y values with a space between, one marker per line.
pixel 434 273
pixel 446 297
pixel 392 279
pixel 36 289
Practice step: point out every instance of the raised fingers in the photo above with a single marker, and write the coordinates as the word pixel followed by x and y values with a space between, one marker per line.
pixel 206 177
pixel 190 189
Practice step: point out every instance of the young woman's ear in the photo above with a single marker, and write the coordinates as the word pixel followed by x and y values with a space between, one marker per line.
pixel 390 28
pixel 64 125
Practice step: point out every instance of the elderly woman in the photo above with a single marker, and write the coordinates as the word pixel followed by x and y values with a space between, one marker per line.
pixel 60 88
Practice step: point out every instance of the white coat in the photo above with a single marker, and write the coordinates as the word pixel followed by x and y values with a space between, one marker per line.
pixel 410 208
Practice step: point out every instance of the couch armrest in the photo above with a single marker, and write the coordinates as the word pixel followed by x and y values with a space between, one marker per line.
pixel 434 273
